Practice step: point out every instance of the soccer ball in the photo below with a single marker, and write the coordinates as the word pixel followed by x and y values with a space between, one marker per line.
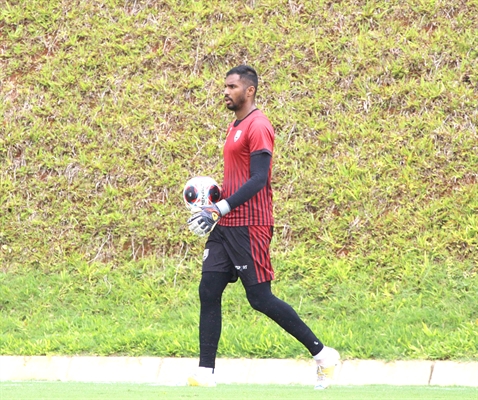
pixel 201 191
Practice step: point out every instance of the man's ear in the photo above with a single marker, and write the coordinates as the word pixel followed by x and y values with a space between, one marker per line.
pixel 251 91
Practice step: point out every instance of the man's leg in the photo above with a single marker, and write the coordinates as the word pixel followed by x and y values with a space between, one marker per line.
pixel 211 287
pixel 261 299
pixel 248 249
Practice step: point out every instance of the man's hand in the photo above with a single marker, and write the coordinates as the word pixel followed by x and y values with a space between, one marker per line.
pixel 205 218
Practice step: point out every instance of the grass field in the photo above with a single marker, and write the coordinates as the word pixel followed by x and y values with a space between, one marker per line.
pixel 104 391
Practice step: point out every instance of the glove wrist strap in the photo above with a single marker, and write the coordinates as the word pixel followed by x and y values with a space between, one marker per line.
pixel 223 207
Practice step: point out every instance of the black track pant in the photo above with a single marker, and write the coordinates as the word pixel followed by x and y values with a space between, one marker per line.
pixel 260 297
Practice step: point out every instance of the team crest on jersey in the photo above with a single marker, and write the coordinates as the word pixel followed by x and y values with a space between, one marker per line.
pixel 205 254
pixel 237 136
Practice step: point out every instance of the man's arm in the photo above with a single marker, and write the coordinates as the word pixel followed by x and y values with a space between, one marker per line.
pixel 259 170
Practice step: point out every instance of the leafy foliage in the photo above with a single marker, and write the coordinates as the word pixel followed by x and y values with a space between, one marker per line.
pixel 109 107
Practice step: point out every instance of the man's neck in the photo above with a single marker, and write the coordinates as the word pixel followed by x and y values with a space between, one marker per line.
pixel 243 113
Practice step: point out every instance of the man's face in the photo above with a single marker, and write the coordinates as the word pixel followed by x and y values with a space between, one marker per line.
pixel 234 92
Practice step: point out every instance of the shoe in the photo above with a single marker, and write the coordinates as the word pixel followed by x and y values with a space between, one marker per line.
pixel 326 367
pixel 202 380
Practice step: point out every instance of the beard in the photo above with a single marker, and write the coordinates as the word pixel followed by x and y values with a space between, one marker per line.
pixel 235 105
pixel 231 106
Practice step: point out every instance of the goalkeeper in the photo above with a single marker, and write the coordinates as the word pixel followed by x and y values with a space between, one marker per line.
pixel 240 231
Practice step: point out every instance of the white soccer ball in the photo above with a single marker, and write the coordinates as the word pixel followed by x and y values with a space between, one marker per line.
pixel 201 191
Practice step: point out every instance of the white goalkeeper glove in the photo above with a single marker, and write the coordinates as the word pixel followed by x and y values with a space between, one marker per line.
pixel 205 218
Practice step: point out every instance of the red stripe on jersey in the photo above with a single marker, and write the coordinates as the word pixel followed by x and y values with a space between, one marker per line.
pixel 260 238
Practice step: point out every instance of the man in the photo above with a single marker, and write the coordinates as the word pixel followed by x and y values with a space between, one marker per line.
pixel 240 227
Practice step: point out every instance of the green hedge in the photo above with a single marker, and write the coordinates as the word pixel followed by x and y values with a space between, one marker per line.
pixel 109 107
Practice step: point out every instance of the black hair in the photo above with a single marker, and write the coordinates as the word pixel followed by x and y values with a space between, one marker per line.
pixel 246 72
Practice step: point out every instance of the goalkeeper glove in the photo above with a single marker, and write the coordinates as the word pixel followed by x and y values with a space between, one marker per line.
pixel 205 218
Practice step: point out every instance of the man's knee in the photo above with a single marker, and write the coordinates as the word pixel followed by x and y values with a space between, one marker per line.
pixel 211 286
pixel 259 297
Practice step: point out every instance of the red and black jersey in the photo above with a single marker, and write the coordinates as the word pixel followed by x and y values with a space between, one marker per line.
pixel 253 135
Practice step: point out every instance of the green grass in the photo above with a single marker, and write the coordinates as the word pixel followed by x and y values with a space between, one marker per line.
pixel 110 107
pixel 137 312
pixel 97 391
